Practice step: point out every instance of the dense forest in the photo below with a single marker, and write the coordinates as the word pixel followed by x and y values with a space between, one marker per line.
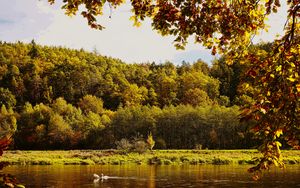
pixel 59 98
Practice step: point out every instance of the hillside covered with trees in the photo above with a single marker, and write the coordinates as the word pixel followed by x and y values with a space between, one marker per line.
pixel 59 98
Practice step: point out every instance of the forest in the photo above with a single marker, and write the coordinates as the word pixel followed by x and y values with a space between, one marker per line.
pixel 60 98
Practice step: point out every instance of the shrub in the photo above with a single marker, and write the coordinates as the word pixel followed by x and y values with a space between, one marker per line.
pixel 140 146
pixel 124 145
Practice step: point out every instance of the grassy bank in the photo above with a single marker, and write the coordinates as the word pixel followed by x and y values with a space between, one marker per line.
pixel 159 157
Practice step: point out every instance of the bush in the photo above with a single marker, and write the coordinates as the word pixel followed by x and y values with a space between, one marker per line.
pixel 140 146
pixel 221 161
pixel 124 145
pixel 136 145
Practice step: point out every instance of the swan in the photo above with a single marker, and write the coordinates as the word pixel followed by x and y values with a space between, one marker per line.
pixel 96 176
pixel 104 177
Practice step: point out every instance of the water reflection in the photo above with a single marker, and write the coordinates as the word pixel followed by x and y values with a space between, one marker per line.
pixel 140 176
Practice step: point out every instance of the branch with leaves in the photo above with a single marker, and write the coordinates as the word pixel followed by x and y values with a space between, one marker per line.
pixel 277 108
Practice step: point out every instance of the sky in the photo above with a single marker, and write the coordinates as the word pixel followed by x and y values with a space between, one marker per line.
pixel 48 25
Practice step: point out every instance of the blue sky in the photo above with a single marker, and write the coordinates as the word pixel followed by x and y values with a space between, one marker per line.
pixel 32 19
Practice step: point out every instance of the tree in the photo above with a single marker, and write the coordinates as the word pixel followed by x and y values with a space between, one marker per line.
pixel 227 27
pixel 33 126
pixel 196 79
pixel 34 52
pixel 196 97
pixel 133 95
pixel 91 103
pixel 165 85
pixel 7 98
pixel 150 141
pixel 60 133
pixel 8 123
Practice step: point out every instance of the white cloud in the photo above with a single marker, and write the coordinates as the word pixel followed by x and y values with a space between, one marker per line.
pixel 22 20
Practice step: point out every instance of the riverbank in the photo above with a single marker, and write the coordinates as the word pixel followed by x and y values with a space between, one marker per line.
pixel 156 157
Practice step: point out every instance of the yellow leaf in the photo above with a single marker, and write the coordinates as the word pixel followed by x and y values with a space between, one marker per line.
pixel 292 65
pixel 278 144
pixel 278 132
pixel 263 110
pixel 298 87
pixel 279 68
pixel 275 163
pixel 291 79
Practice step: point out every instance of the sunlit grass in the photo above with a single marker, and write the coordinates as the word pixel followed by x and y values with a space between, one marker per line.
pixel 156 157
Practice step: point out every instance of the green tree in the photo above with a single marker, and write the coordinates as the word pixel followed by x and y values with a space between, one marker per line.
pixel 228 76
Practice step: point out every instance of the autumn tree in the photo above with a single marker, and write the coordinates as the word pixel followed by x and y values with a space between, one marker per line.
pixel 150 141
pixel 227 27
pixel 196 97
pixel 34 52
pixel 7 98
pixel 91 103
pixel 7 129
pixel 133 95
pixel 164 80
pixel 8 122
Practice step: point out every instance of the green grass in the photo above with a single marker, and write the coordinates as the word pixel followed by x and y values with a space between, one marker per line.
pixel 157 157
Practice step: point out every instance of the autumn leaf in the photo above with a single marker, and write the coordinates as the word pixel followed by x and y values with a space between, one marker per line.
pixel 298 87
pixel 278 132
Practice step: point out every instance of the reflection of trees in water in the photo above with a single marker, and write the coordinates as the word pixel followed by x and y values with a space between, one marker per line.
pixel 152 176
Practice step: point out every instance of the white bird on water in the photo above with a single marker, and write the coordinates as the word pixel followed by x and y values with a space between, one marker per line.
pixel 102 177
pixel 96 176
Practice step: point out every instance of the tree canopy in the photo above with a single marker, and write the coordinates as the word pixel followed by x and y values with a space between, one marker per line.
pixel 71 99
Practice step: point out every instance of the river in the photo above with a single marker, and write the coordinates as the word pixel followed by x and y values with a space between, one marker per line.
pixel 144 176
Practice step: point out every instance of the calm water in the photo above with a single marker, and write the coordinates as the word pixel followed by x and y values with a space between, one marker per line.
pixel 152 176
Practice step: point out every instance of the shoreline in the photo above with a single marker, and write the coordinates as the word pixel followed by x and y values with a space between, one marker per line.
pixel 155 157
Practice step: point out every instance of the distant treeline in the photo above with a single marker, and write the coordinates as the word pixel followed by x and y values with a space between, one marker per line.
pixel 65 99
